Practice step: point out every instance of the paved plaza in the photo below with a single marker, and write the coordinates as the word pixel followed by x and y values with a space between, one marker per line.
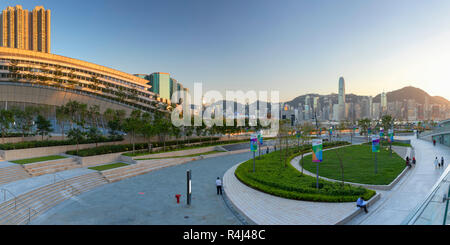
pixel 150 199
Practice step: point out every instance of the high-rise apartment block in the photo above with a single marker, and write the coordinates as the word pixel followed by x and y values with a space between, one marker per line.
pixel 23 29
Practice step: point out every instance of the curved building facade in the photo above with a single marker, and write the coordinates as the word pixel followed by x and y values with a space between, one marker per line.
pixel 30 77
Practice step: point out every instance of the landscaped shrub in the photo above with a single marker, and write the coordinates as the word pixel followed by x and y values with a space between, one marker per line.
pixel 48 143
pixel 274 178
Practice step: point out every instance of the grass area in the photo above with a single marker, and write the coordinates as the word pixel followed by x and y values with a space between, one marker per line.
pixel 109 166
pixel 192 155
pixel 359 165
pixel 38 159
pixel 395 143
pixel 274 178
pixel 183 148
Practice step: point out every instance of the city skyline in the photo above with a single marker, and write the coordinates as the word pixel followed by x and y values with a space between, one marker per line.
pixel 384 52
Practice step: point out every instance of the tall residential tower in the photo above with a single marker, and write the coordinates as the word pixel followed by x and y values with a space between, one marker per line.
pixel 23 29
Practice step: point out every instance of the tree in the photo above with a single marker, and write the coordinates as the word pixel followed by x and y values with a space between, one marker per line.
pixel 387 122
pixel 44 126
pixel 306 129
pixel 94 135
pixel 24 120
pixel 6 119
pixel 132 125
pixel 114 120
pixel 76 135
pixel 62 117
pixel 163 127
pixel 148 130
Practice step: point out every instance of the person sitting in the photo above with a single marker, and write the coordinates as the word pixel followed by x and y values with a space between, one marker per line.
pixel 362 204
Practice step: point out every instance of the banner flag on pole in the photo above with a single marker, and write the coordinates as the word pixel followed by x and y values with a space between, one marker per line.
pixel 254 143
pixel 391 135
pixel 317 150
pixel 375 143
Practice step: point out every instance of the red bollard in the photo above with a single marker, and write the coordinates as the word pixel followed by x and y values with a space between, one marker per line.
pixel 178 198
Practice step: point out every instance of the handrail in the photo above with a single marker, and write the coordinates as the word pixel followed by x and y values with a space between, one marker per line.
pixel 65 183
pixel 29 214
pixel 4 196
pixel 446 206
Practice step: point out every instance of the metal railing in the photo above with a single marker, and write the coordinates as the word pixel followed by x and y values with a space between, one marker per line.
pixel 4 196
pixel 29 214
pixel 437 130
pixel 5 191
pixel 72 188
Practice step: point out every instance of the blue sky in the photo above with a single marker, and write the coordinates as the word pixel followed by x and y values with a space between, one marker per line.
pixel 295 46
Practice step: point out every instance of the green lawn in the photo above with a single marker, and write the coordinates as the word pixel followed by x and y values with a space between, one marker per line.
pixel 274 178
pixel 192 155
pixel 38 159
pixel 109 166
pixel 359 165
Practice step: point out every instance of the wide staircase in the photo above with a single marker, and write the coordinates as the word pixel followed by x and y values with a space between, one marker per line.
pixel 23 208
pixel 117 174
pixel 12 173
pixel 48 167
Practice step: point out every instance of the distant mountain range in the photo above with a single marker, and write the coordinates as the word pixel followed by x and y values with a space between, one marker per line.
pixel 413 93
pixel 405 93
pixel 401 95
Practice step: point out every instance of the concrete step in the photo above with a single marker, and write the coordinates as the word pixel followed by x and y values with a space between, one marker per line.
pixel 128 173
pixel 41 168
pixel 46 197
pixel 12 173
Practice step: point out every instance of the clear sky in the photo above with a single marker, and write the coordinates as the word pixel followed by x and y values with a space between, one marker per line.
pixel 295 47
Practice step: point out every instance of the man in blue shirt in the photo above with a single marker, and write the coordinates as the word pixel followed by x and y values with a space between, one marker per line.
pixel 362 204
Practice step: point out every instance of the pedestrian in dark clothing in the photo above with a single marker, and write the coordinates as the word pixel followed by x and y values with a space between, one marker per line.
pixel 267 150
pixel 407 162
pixel 414 160
pixel 442 161
pixel 219 186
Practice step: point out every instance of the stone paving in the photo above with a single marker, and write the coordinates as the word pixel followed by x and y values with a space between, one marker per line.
pixel 149 199
pixel 395 205
pixel 265 209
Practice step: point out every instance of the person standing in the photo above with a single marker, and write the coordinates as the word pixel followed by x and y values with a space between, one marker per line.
pixel 442 161
pixel 436 162
pixel 219 186
pixel 414 160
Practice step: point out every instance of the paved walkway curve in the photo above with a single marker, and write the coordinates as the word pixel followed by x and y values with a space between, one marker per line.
pixel 265 209
pixel 395 205
pixel 149 199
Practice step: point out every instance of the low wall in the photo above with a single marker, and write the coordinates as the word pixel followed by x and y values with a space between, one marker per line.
pixel 179 153
pixel 11 155
pixel 103 159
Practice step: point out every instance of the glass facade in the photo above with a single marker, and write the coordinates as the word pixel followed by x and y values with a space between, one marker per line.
pixel 435 209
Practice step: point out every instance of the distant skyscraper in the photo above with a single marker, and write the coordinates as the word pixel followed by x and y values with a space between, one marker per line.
pixel 384 103
pixel 341 100
pixel 23 29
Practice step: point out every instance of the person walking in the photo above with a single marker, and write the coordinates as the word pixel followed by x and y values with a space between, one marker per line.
pixel 442 161
pixel 414 160
pixel 436 162
pixel 407 162
pixel 267 150
pixel 219 186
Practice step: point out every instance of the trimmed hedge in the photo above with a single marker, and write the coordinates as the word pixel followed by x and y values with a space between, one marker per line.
pixel 139 147
pixel 48 143
pixel 273 178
